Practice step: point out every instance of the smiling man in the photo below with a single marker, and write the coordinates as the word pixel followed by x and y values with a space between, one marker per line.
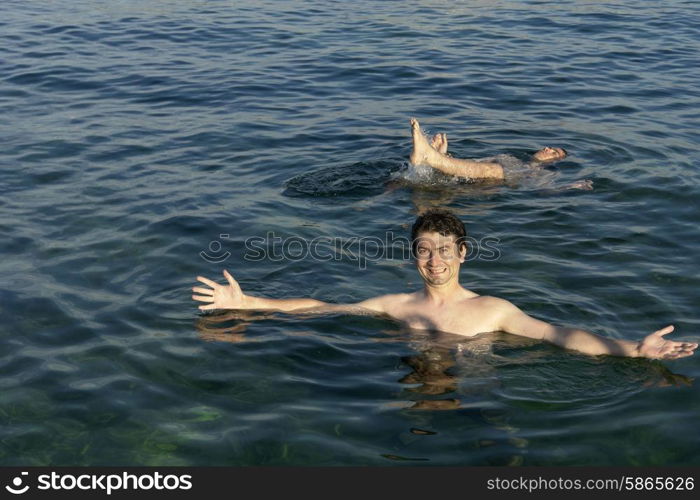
pixel 439 247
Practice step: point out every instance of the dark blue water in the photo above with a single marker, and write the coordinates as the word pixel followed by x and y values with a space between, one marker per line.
pixel 138 135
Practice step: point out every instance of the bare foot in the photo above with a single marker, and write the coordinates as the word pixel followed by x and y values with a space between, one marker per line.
pixel 443 147
pixel 439 143
pixel 421 148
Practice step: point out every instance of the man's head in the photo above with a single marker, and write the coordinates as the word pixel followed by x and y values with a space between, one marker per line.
pixel 439 246
pixel 548 154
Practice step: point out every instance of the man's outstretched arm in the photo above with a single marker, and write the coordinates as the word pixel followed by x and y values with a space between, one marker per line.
pixel 231 296
pixel 653 346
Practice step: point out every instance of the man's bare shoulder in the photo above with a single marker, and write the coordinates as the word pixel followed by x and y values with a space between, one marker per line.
pixel 384 303
pixel 490 303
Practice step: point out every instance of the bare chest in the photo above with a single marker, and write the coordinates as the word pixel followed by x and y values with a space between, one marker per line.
pixel 462 318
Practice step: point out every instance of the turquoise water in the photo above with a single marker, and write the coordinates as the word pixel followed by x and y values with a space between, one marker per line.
pixel 136 134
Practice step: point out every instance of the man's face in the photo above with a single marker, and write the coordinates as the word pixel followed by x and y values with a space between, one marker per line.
pixel 549 154
pixel 438 258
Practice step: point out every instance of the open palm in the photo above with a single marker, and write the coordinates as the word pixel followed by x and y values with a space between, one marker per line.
pixel 219 296
pixel 654 346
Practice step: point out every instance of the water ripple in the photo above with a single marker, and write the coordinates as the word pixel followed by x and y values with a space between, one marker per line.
pixel 137 135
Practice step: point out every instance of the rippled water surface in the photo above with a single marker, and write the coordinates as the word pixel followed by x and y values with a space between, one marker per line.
pixel 137 135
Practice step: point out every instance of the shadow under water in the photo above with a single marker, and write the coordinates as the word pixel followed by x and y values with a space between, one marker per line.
pixel 364 178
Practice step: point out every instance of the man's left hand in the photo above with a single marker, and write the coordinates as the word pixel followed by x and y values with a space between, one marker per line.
pixel 654 346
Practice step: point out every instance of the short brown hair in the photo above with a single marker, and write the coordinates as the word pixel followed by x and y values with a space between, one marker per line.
pixel 441 221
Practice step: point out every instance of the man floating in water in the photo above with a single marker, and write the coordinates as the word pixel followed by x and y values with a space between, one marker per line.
pixel 434 154
pixel 439 246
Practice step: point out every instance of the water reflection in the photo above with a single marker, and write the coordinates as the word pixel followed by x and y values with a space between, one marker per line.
pixel 446 365
pixel 484 391
pixel 209 330
pixel 430 376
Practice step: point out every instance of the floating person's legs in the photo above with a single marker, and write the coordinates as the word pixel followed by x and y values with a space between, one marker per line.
pixel 425 154
pixel 434 154
pixel 545 155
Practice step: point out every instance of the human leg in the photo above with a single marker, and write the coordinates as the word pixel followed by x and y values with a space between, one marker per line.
pixel 424 153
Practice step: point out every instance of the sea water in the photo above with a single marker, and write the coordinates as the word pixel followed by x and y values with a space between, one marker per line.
pixel 146 143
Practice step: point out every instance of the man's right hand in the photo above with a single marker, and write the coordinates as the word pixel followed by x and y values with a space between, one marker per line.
pixel 220 296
